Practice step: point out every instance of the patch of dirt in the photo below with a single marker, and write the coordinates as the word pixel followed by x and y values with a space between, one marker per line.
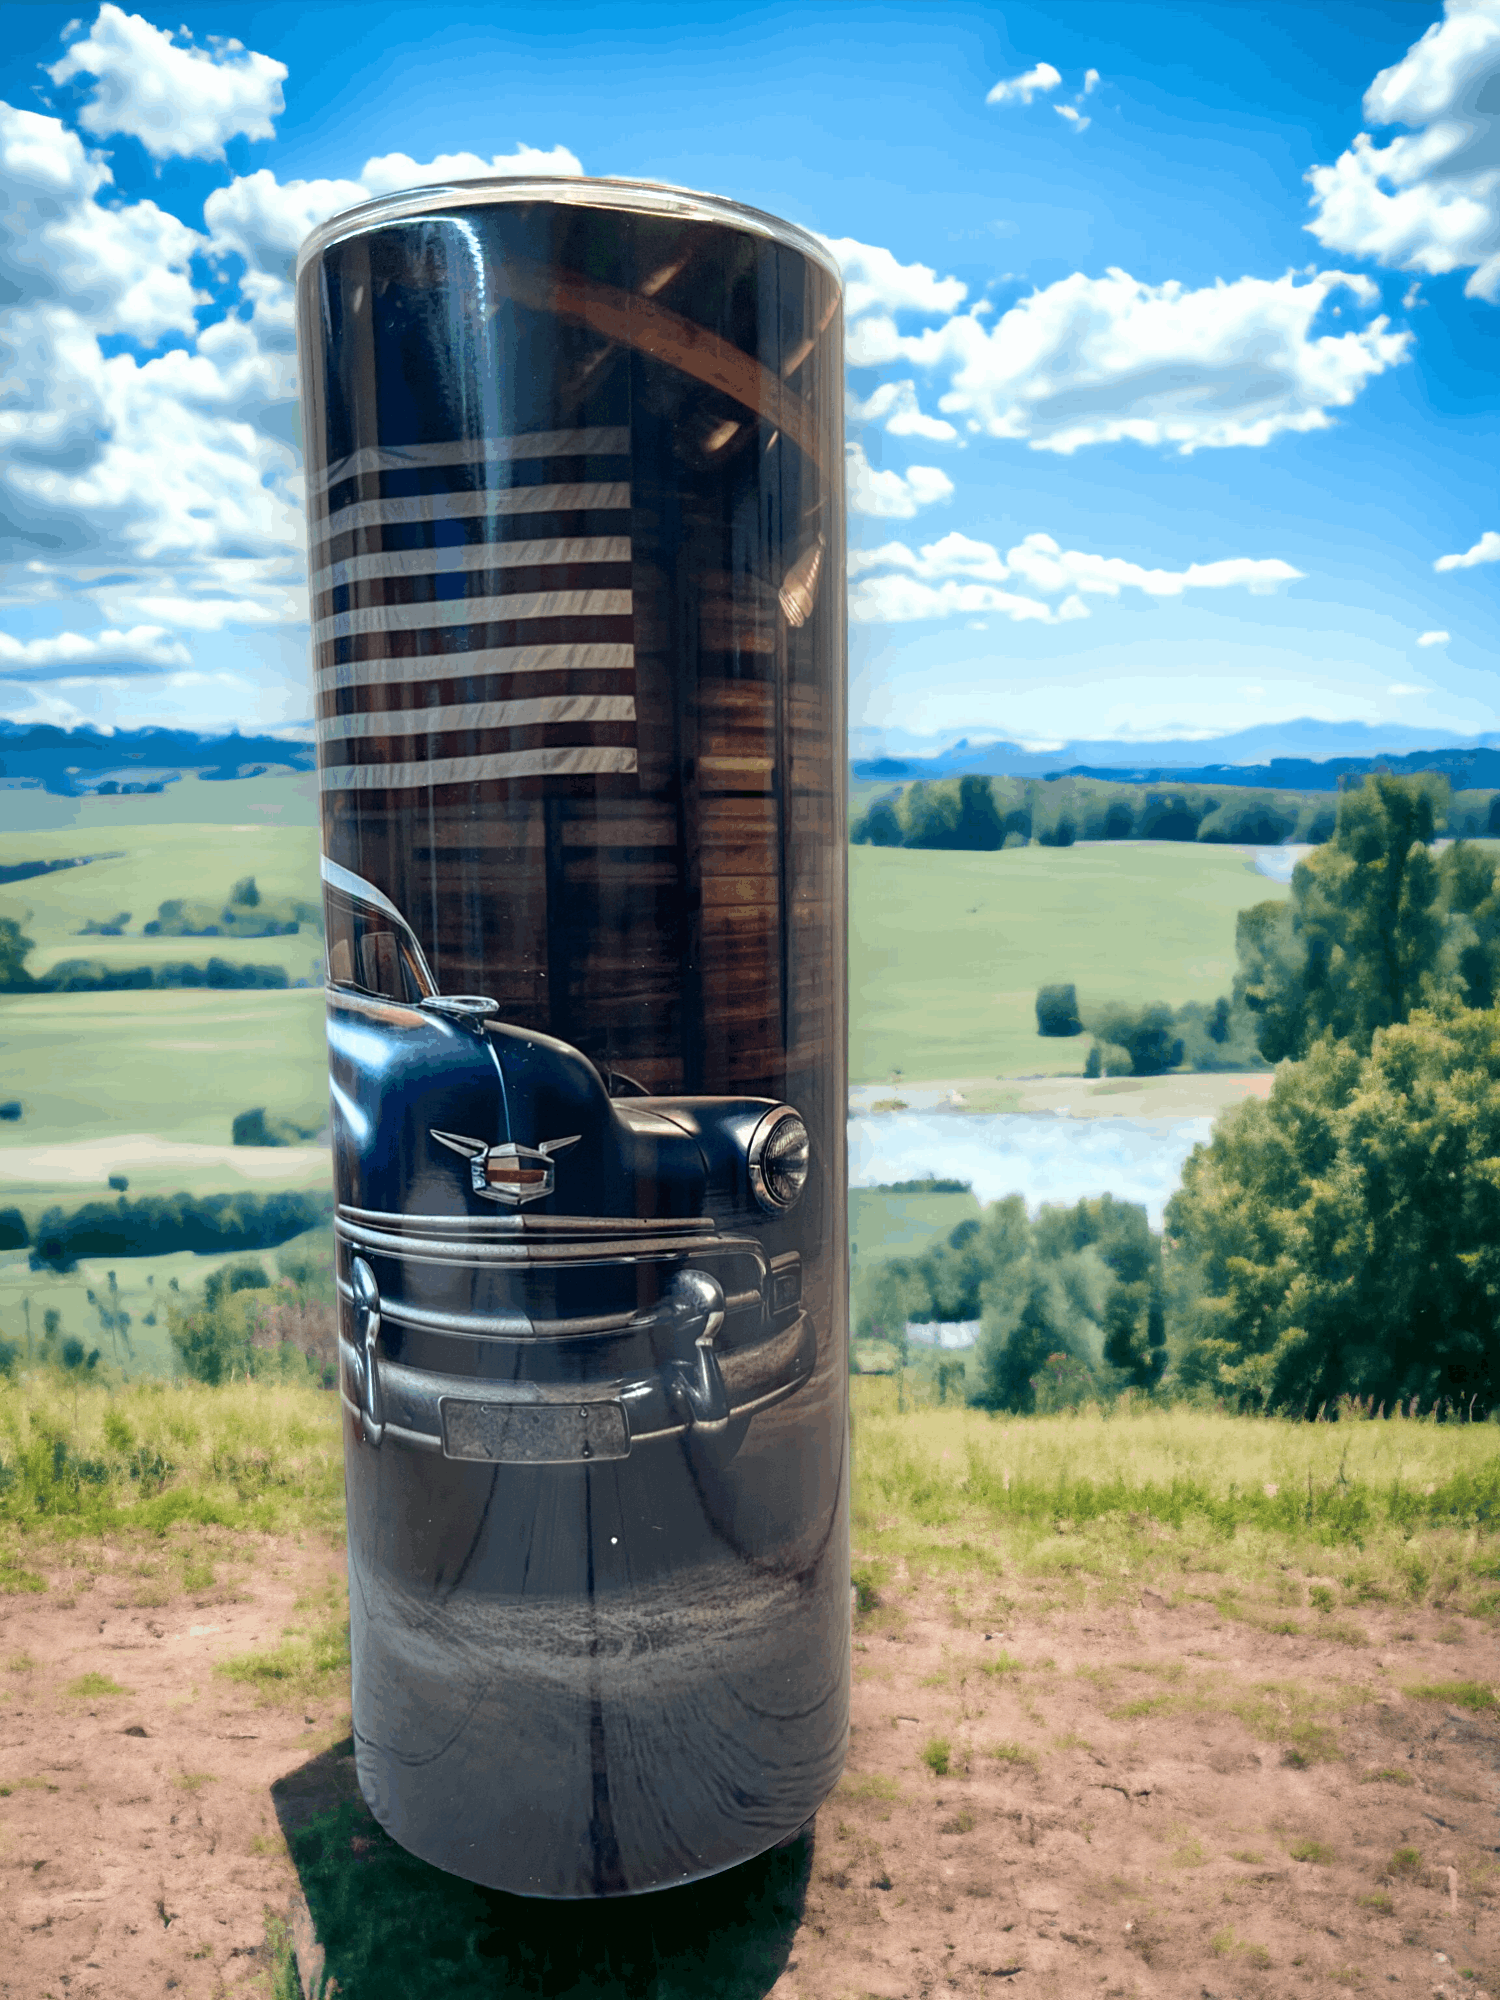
pixel 139 1850
pixel 1137 1835
pixel 1160 1772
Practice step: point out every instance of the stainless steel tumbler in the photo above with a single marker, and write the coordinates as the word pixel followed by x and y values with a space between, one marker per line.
pixel 576 546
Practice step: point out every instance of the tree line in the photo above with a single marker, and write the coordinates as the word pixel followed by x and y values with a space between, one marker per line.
pixel 160 1225
pixel 979 814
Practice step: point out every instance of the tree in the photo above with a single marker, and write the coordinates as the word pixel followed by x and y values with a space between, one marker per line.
pixel 879 827
pixel 980 826
pixel 931 816
pixel 1362 941
pixel 1469 888
pixel 1057 1011
pixel 15 947
pixel 1344 1236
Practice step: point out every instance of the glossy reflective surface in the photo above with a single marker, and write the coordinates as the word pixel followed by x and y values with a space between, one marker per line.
pixel 575 512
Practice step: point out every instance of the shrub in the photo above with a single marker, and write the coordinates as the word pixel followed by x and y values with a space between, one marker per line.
pixel 937 1755
pixel 1145 1033
pixel 14 1235
pixel 256 1128
pixel 1057 1011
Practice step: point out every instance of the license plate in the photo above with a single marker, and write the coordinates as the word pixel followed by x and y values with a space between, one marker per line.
pixel 534 1433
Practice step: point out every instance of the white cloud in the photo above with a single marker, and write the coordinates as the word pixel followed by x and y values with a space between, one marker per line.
pixel 399 170
pixel 875 281
pixel 1485 550
pixel 1434 639
pixel 895 404
pixel 1090 82
pixel 1074 117
pixel 180 101
pixel 1021 89
pixel 1096 360
pixel 146 645
pixel 1430 199
pixel 894 495
pixel 941 579
pixel 1404 687
pixel 896 599
pixel 162 492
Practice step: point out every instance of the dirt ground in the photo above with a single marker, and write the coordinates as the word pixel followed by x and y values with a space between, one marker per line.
pixel 1182 1805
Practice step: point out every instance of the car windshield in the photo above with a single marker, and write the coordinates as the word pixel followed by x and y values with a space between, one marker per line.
pixel 372 952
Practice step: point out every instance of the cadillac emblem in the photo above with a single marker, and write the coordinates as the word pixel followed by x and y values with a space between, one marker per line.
pixel 509 1173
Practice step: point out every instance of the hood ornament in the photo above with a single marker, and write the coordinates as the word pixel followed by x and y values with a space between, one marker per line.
pixel 509 1173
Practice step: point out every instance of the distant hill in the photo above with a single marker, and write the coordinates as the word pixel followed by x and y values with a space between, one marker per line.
pixel 75 762
pixel 1304 756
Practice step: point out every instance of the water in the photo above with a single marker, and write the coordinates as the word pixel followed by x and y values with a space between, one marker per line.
pixel 1046 1159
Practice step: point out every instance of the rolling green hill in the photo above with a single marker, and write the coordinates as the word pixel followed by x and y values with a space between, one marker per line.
pixel 947 950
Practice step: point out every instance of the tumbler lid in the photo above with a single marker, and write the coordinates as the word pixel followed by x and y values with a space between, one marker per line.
pixel 569 190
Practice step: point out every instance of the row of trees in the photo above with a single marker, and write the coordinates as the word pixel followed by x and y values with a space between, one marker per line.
pixel 95 975
pixel 160 1225
pixel 982 814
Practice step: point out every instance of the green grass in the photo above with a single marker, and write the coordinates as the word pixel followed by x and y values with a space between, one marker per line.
pixel 308 1665
pixel 1011 1752
pixel 1317 1852
pixel 93 1687
pixel 1199 1503
pixel 1462 1694
pixel 937 1755
pixel 177 1064
pixel 277 800
pixel 946 951
pixel 256 1455
pixel 155 863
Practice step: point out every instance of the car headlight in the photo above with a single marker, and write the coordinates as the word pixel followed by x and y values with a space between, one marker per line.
pixel 779 1159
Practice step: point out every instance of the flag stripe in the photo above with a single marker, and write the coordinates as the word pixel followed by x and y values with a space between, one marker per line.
pixel 471 556
pixel 606 496
pixel 598 443
pixel 549 763
pixel 446 612
pixel 475 715
pixel 544 642
pixel 426 667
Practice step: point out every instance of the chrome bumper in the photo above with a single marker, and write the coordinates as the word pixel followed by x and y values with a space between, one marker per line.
pixel 700 1388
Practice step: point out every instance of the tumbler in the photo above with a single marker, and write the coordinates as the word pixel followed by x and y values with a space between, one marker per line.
pixel 574 458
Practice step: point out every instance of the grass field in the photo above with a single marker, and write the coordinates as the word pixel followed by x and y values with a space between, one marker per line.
pixel 946 951
pixel 144 1288
pixel 154 864
pixel 179 1063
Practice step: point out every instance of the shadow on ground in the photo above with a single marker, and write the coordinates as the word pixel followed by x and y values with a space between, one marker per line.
pixel 389 1927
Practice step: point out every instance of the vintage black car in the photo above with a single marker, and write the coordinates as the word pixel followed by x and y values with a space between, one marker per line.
pixel 536 1266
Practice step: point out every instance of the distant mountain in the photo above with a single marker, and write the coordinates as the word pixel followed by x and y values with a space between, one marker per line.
pixel 75 761
pixel 1304 756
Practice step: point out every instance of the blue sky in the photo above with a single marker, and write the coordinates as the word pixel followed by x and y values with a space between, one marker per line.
pixel 1172 333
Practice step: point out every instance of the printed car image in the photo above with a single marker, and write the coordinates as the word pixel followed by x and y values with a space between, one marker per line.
pixel 536 1265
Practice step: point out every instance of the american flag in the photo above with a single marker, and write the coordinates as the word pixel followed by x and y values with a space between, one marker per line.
pixel 477 624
